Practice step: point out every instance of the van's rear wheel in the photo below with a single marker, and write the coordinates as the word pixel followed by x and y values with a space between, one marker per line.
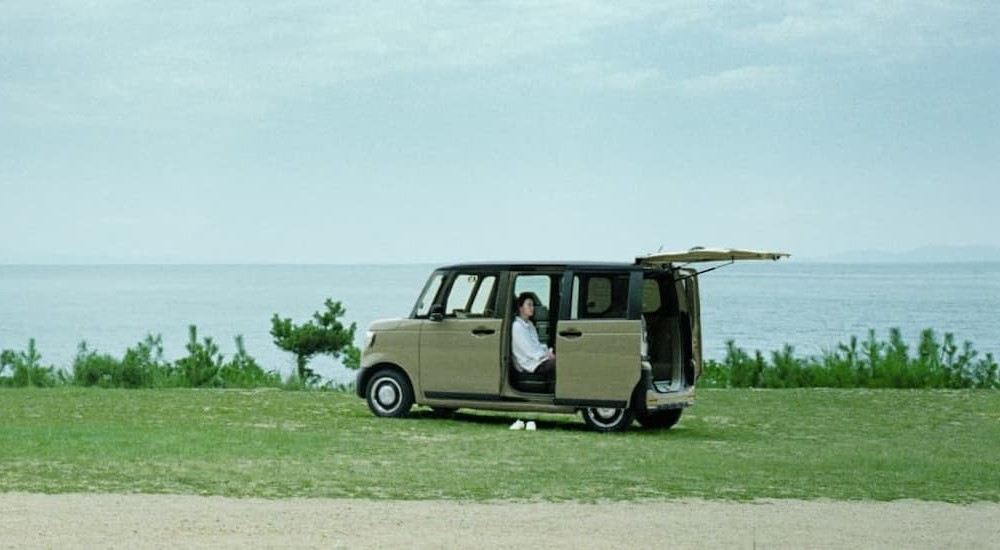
pixel 604 419
pixel 389 394
pixel 663 420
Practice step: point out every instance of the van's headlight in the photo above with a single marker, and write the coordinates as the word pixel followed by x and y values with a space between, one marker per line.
pixel 369 340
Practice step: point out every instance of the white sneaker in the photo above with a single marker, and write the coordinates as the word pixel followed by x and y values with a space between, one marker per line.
pixel 517 425
pixel 530 426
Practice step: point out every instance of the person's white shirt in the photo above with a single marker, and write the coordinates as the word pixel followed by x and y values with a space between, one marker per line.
pixel 528 351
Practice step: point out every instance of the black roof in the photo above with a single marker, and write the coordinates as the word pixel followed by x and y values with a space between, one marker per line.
pixel 539 266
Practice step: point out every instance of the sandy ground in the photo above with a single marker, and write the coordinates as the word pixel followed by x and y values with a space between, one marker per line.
pixel 160 521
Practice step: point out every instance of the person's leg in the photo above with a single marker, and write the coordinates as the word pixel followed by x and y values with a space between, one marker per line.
pixel 546 367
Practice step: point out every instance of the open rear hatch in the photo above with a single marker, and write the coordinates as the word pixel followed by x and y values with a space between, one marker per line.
pixel 672 323
pixel 700 254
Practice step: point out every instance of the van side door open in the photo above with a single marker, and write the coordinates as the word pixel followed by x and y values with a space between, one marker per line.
pixel 597 362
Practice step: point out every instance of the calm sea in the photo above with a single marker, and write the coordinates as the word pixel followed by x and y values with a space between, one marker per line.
pixel 811 306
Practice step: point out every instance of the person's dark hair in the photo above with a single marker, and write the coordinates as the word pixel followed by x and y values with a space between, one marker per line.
pixel 525 296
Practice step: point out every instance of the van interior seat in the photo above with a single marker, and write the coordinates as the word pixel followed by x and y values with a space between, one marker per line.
pixel 531 382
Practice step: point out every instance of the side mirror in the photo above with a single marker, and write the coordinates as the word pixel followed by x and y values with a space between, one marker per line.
pixel 437 313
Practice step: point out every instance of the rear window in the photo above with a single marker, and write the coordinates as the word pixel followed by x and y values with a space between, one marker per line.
pixel 599 296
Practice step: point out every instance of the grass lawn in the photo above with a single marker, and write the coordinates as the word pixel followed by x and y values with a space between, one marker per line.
pixel 733 444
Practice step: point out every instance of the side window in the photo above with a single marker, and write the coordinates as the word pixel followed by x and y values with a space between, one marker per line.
pixel 539 285
pixel 485 299
pixel 424 303
pixel 472 295
pixel 650 296
pixel 599 296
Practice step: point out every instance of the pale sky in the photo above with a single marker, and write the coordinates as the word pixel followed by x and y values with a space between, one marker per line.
pixel 382 132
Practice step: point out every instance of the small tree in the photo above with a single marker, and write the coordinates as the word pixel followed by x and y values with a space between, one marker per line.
pixel 203 363
pixel 323 334
pixel 27 369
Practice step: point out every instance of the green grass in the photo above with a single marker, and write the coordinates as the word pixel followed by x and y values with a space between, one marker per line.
pixel 734 444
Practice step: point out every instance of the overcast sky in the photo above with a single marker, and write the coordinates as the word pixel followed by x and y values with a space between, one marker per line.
pixel 358 132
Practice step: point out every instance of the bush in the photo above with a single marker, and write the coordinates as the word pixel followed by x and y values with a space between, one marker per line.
pixel 203 364
pixel 713 375
pixel 876 364
pixel 142 367
pixel 786 371
pixel 93 369
pixel 873 363
pixel 744 371
pixel 26 369
pixel 242 371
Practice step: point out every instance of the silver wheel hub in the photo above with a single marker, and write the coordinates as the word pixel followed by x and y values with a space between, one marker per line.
pixel 387 394
pixel 605 413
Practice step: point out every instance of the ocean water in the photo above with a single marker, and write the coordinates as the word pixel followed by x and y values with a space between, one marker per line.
pixel 811 306
pixel 815 306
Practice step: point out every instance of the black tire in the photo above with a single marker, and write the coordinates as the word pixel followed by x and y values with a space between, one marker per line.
pixel 608 419
pixel 389 394
pixel 661 420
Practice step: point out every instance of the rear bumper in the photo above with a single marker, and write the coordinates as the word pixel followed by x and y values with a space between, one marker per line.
pixel 659 401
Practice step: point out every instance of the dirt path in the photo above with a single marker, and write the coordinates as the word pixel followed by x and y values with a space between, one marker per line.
pixel 161 521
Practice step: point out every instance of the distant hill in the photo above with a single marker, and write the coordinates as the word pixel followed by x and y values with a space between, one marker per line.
pixel 924 254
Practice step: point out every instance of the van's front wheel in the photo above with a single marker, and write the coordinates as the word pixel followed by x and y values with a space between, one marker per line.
pixel 663 420
pixel 605 419
pixel 389 394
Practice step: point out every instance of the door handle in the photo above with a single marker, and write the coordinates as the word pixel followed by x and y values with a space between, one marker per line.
pixel 571 333
pixel 482 331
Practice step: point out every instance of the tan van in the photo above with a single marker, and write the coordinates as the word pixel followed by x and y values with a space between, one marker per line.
pixel 627 337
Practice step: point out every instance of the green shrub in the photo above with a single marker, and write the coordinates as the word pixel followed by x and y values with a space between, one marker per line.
pixel 714 375
pixel 744 371
pixel 93 369
pixel 143 366
pixel 242 371
pixel 842 367
pixel 294 382
pixel 786 371
pixel 26 369
pixel 203 364
pixel 873 364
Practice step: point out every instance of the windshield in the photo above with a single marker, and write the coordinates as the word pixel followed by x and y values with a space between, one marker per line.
pixel 426 300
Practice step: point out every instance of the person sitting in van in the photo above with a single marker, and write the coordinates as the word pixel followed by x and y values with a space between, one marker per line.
pixel 529 353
